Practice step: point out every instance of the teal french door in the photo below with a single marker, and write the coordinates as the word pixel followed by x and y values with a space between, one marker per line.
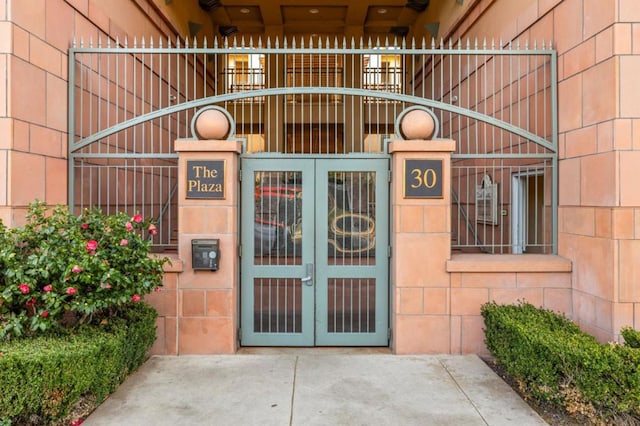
pixel 314 252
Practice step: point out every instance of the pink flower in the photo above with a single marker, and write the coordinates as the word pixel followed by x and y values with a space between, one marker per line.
pixel 84 226
pixel 124 242
pixel 48 288
pixel 158 289
pixel 76 269
pixel 137 218
pixel 77 422
pixel 71 290
pixel 152 229
pixel 91 245
pixel 44 314
pixel 129 226
pixel 24 288
pixel 135 298
pixel 31 302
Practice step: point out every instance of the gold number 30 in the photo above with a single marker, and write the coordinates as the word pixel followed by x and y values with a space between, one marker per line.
pixel 427 178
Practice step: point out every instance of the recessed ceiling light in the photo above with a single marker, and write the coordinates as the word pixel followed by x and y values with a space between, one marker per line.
pixel 314 11
pixel 244 10
pixel 382 11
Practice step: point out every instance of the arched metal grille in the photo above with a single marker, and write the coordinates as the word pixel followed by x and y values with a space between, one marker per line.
pixel 297 97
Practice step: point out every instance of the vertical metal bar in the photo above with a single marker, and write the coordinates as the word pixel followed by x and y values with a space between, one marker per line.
pixel 71 123
pixel 554 140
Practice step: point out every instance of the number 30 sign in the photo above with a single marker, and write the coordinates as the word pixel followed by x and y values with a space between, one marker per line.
pixel 422 178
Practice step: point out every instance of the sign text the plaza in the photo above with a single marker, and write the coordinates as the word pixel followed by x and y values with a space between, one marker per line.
pixel 205 179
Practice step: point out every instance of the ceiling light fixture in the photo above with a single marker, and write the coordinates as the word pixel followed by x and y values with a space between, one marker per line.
pixel 314 11
pixel 382 11
pixel 244 10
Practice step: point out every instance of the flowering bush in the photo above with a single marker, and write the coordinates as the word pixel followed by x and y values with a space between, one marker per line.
pixel 60 269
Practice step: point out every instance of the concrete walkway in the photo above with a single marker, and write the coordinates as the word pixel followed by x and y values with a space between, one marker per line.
pixel 314 388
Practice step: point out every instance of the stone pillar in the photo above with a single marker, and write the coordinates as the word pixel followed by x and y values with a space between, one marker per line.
pixel 207 300
pixel 421 242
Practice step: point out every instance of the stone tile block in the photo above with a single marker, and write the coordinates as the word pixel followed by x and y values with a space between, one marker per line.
pixel 29 15
pixel 598 15
pixel 604 45
pixel 44 55
pixel 28 90
pixel 467 301
pixel 603 223
pixel 578 220
pixel 436 301
pixel 45 141
pixel 214 335
pixel 544 279
pixel 623 223
pixel 410 301
pixel 411 218
pixel 418 334
pixel 594 263
pixel 568 24
pixel 420 261
pixel 569 175
pixel 472 341
pixel 437 219
pixel 489 279
pixel 629 178
pixel 512 296
pixel 27 181
pixel 55 183
pixel 599 82
pixel 629 271
pixel 584 307
pixel 622 316
pixel 580 58
pixel 218 303
pixel 456 335
pixel 598 177
pixel 570 102
pixel 192 303
pixel 56 103
pixel 581 142
pixel 629 11
pixel 558 300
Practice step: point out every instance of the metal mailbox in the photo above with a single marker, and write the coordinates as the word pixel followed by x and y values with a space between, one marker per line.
pixel 205 254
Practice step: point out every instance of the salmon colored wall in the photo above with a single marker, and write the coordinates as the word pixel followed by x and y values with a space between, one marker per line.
pixel 34 38
pixel 599 142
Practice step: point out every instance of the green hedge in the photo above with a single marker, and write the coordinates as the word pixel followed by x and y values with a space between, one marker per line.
pixel 43 377
pixel 631 337
pixel 554 361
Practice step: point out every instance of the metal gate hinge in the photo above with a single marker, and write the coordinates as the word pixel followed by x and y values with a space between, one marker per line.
pixel 239 250
pixel 388 334
pixel 239 175
pixel 389 251
pixel 389 177
pixel 239 334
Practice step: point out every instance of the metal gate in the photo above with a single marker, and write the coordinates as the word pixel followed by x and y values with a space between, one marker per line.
pixel 314 251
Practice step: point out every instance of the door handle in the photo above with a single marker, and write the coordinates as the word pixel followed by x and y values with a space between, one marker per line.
pixel 308 280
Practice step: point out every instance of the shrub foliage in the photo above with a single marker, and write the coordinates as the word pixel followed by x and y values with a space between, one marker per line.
pixel 42 377
pixel 62 270
pixel 553 360
pixel 631 337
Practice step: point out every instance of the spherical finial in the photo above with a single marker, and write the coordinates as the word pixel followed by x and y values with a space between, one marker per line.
pixel 212 124
pixel 417 124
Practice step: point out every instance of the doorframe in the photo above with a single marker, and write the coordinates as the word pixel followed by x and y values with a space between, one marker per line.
pixel 519 215
pixel 385 251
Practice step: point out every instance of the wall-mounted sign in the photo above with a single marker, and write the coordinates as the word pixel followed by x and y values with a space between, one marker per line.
pixel 422 178
pixel 205 179
pixel 487 201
